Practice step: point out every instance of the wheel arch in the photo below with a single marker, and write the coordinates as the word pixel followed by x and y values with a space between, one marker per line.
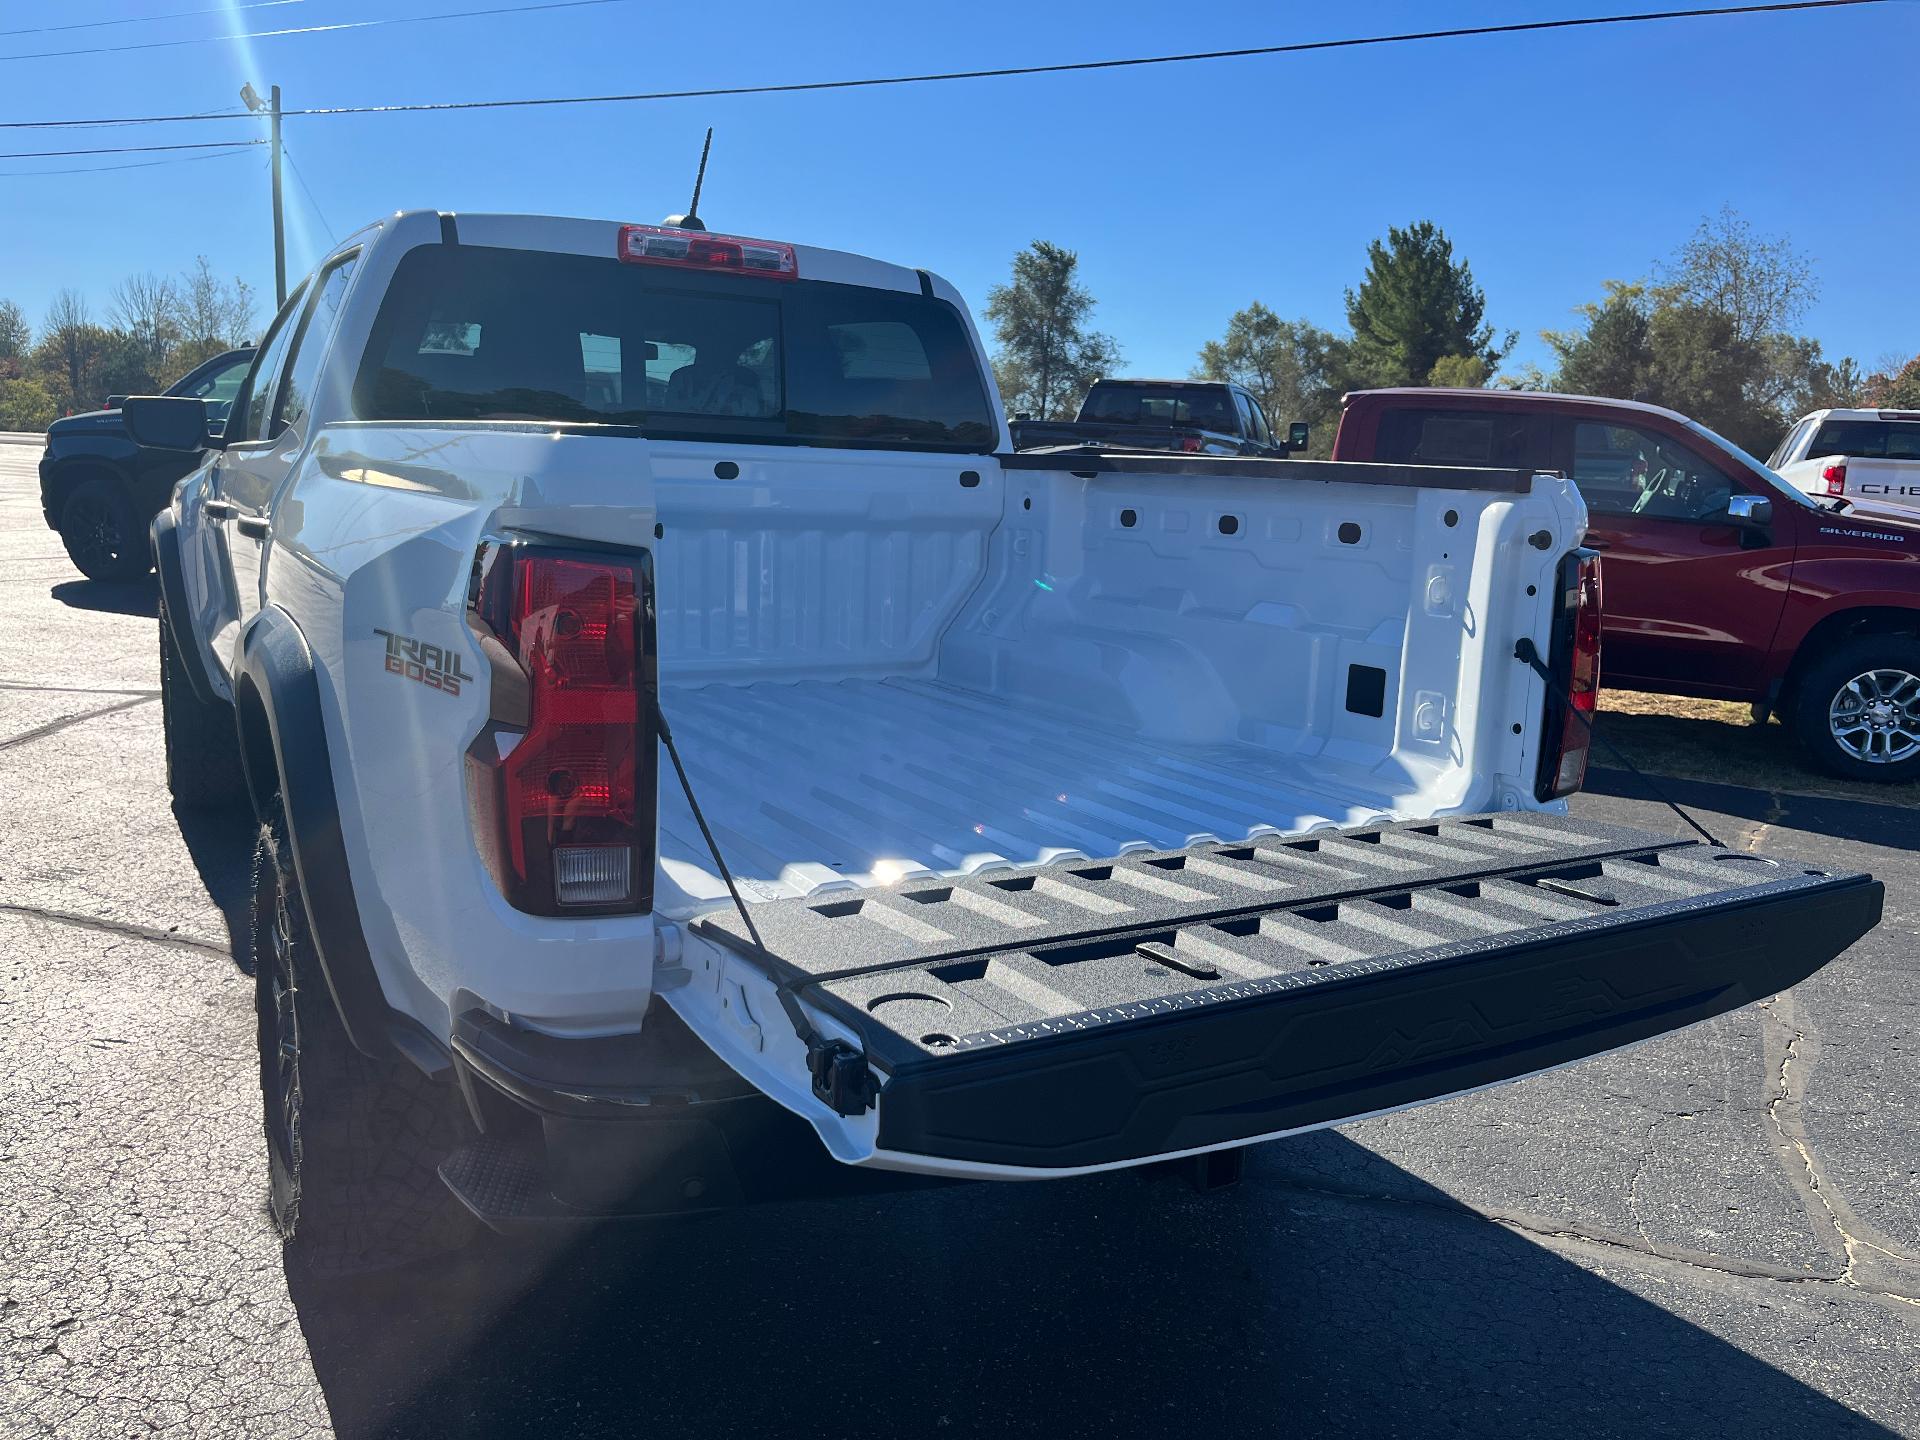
pixel 66 476
pixel 176 609
pixel 284 752
pixel 1843 625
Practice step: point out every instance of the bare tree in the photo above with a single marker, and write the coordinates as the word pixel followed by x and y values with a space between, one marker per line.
pixel 147 307
pixel 1760 283
pixel 216 314
pixel 70 338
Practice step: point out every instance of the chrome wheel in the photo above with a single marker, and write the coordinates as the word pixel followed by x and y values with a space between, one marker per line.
pixel 1875 716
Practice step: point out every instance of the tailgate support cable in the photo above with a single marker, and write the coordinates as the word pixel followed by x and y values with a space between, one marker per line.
pixel 839 1072
pixel 1528 654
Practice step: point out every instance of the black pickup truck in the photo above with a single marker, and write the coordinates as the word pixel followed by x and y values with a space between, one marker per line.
pixel 1195 417
pixel 101 491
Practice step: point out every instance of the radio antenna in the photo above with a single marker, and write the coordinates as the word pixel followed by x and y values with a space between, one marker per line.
pixel 700 176
pixel 691 220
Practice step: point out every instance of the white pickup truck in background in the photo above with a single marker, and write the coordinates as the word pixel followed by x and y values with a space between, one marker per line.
pixel 689 744
pixel 1870 457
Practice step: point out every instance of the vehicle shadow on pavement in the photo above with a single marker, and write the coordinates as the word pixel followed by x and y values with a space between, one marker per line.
pixel 221 844
pixel 1860 820
pixel 1108 1305
pixel 110 597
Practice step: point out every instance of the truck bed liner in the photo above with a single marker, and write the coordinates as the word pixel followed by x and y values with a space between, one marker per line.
pixel 1075 1015
pixel 820 782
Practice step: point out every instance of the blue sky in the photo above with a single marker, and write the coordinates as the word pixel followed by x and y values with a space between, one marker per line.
pixel 1555 161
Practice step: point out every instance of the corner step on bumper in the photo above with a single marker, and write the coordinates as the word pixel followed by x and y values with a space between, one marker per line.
pixel 1085 1014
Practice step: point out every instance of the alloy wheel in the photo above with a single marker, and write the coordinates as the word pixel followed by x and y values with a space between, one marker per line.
pixel 1875 716
pixel 90 527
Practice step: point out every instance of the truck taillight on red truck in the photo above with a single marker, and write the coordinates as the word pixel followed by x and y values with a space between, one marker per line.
pixel 564 796
pixel 1575 666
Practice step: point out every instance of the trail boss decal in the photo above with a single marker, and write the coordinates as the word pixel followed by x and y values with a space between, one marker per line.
pixel 417 660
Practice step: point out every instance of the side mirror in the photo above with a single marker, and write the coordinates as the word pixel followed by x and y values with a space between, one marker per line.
pixel 1298 434
pixel 165 422
pixel 114 402
pixel 1754 510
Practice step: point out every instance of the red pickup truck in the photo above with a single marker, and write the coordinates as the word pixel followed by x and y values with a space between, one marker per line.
pixel 1718 578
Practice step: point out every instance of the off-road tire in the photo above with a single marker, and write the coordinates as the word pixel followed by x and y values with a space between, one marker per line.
pixel 353 1143
pixel 102 531
pixel 1822 684
pixel 203 748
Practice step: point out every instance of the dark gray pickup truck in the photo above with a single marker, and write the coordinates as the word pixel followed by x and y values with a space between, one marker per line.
pixel 1194 417
pixel 100 490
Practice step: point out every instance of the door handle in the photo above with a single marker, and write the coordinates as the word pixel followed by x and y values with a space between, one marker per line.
pixel 219 509
pixel 255 525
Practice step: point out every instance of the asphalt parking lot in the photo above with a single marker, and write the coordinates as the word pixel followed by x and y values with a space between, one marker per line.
pixel 1717 1233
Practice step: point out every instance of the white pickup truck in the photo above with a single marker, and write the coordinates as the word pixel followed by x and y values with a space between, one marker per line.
pixel 1020 815
pixel 1871 457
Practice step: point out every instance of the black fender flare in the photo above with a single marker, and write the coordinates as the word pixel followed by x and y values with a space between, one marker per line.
pixel 175 610
pixel 286 732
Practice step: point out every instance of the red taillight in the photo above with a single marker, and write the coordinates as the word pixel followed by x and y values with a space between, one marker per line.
pixel 1191 444
pixel 571 803
pixel 1575 665
pixel 696 250
pixel 1836 478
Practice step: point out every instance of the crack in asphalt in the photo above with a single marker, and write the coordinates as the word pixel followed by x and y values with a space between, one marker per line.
pixel 123 928
pixel 1823 1197
pixel 72 689
pixel 1633 1184
pixel 54 727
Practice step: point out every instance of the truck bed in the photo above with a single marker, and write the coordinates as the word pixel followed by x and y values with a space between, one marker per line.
pixel 1174 664
pixel 815 784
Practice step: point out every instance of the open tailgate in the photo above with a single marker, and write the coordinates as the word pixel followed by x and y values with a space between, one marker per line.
pixel 1087 1014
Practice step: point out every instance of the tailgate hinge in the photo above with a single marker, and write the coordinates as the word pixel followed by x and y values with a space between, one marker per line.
pixel 840 1076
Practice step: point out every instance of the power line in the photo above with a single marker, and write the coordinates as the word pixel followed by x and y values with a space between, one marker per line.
pixel 132 165
pixel 144 19
pixel 227 112
pixel 319 214
pixel 126 149
pixel 311 29
pixel 1004 72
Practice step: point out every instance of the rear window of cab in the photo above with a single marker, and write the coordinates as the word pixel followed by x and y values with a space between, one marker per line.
pixel 479 333
pixel 1868 439
pixel 1422 436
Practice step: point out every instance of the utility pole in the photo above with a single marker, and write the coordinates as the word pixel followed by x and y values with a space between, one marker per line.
pixel 272 107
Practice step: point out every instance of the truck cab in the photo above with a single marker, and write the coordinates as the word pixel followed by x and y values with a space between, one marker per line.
pixel 1721 580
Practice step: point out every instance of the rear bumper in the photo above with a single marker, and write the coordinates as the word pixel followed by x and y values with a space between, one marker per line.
pixel 1258 1060
pixel 646 1126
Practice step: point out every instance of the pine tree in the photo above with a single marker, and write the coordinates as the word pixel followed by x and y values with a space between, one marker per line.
pixel 1415 308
